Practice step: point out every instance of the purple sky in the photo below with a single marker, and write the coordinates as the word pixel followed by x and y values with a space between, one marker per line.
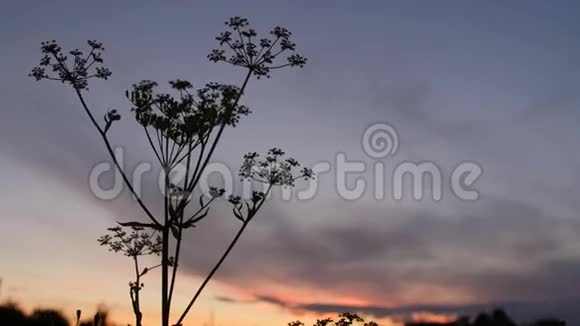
pixel 490 82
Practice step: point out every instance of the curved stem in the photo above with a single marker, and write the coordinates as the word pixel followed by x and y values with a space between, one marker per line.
pixel 213 271
pixel 221 130
pixel 222 259
pixel 114 158
pixel 152 145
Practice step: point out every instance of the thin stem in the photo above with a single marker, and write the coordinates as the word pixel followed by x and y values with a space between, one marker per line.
pixel 152 268
pixel 173 144
pixel 191 184
pixel 213 271
pixel 165 257
pixel 261 60
pixel 135 294
pixel 160 143
pixel 175 260
pixel 221 130
pixel 194 183
pixel 178 245
pixel 243 46
pixel 115 161
pixel 152 145
pixel 166 136
pixel 222 259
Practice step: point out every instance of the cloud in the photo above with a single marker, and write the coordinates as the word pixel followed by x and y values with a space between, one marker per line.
pixel 494 252
pixel 520 311
pixel 498 250
pixel 227 299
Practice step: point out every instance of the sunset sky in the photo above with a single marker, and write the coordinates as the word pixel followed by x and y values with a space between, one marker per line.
pixel 492 82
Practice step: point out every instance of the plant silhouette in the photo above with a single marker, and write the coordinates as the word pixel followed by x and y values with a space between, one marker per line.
pixel 10 314
pixel 99 319
pixel 135 244
pixel 184 128
pixel 497 318
pixel 344 319
pixel 45 317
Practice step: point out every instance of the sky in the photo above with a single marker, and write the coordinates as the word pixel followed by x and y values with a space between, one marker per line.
pixel 492 83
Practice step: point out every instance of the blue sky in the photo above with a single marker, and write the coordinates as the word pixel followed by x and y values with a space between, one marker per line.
pixel 491 82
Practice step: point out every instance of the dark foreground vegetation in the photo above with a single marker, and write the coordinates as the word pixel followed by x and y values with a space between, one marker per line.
pixel 496 318
pixel 12 315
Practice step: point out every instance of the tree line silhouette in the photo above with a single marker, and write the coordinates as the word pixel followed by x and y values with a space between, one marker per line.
pixel 12 315
pixel 497 317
